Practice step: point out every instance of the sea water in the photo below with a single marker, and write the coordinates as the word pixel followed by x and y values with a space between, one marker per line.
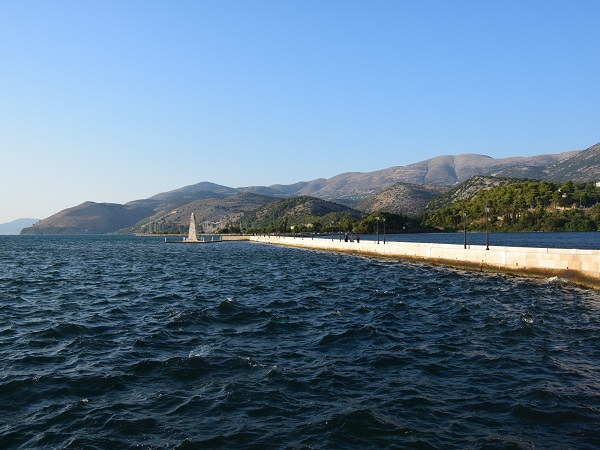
pixel 127 342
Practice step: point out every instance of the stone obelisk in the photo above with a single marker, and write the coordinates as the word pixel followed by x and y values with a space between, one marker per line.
pixel 193 233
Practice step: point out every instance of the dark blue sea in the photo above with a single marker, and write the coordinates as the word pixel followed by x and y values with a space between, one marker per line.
pixel 122 342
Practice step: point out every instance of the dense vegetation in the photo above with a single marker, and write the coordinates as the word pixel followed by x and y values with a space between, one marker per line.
pixel 336 223
pixel 296 214
pixel 525 206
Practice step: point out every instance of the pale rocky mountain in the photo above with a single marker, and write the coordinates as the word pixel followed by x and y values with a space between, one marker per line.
pixel 441 170
pixel 578 166
pixel 263 190
pixel 467 190
pixel 194 191
pixel 582 166
pixel 211 213
pixel 290 188
pixel 402 198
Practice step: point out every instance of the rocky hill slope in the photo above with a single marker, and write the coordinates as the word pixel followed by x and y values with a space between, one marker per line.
pixel 467 190
pixel 296 211
pixel 442 170
pixel 90 218
pixel 577 166
pixel 211 214
pixel 582 166
pixel 402 198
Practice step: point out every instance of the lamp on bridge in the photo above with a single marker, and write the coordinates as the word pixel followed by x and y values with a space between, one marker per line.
pixel 487 237
pixel 464 214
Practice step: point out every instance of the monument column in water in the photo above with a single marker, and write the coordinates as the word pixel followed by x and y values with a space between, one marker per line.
pixel 193 234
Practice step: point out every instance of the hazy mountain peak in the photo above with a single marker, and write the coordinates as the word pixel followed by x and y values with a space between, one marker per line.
pixel 15 226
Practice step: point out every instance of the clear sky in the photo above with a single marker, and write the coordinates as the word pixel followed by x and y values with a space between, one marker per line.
pixel 112 101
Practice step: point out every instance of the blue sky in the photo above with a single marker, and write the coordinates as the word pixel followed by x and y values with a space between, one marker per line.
pixel 111 101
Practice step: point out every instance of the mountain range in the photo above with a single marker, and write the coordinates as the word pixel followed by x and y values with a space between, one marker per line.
pixel 16 226
pixel 401 189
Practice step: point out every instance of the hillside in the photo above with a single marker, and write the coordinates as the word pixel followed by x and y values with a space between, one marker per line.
pixel 90 218
pixel 167 201
pixel 195 191
pixel 402 198
pixel 578 166
pixel 468 189
pixel 583 166
pixel 297 211
pixel 442 170
pixel 211 214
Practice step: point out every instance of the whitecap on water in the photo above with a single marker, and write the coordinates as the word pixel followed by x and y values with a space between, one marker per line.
pixel 250 362
pixel 200 352
pixel 554 280
pixel 527 318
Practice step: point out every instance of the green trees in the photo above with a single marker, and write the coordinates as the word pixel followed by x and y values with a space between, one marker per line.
pixel 393 223
pixel 525 206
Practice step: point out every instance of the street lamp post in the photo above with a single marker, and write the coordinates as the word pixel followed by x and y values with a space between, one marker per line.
pixel 378 229
pixel 465 226
pixel 487 237
pixel 384 230
pixel 332 231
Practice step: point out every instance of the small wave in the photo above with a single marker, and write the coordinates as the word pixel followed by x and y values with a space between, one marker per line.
pixel 389 360
pixel 358 428
pixel 182 319
pixel 62 331
pixel 202 351
pixel 233 312
pixel 227 305
pixel 555 280
pixel 527 318
pixel 281 325
pixel 284 304
pixel 10 387
pixel 351 335
pixel 126 293
pixel 551 414
pixel 252 364
pixel 170 297
pixel 181 369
